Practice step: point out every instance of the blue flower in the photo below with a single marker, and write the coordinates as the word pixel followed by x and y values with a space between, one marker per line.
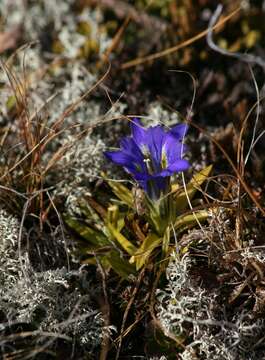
pixel 152 155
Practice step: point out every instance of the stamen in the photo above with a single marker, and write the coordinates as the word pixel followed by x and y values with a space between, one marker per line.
pixel 163 160
pixel 148 163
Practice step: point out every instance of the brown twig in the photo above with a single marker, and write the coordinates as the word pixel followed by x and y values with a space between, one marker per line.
pixel 240 178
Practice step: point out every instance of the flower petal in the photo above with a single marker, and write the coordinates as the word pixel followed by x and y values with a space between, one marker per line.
pixel 165 173
pixel 173 149
pixel 144 176
pixel 179 165
pixel 155 138
pixel 161 182
pixel 138 131
pixel 130 147
pixel 179 131
pixel 119 157
pixel 154 186
pixel 152 155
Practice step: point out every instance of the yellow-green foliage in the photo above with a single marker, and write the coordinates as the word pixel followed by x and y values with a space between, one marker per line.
pixel 125 241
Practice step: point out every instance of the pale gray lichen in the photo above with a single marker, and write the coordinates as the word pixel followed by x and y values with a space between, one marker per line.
pixel 10 264
pixel 9 228
pixel 185 308
pixel 180 299
pixel 157 114
pixel 52 304
pixel 80 165
pixel 35 15
pixel 59 16
pixel 69 80
pixel 51 301
pixel 249 254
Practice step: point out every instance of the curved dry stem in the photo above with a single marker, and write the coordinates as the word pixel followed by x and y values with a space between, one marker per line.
pixel 248 58
pixel 243 128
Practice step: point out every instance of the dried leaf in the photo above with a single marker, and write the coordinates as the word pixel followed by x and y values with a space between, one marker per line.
pixel 122 192
pixel 9 39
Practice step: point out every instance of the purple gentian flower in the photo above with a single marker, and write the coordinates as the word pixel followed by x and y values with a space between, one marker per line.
pixel 152 155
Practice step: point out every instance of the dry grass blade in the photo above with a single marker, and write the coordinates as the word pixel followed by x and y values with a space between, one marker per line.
pixel 73 107
pixel 115 41
pixel 243 129
pixel 173 49
pixel 24 157
pixel 240 178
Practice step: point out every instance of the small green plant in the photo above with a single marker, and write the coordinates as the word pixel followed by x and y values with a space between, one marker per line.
pixel 139 226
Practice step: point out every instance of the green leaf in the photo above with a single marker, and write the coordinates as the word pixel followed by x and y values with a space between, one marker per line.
pixel 158 214
pixel 192 187
pixel 120 265
pixel 142 254
pixel 91 250
pixel 11 102
pixel 89 213
pixel 122 192
pixel 125 243
pixel 115 217
pixel 186 221
pixel 91 235
pixel 166 240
